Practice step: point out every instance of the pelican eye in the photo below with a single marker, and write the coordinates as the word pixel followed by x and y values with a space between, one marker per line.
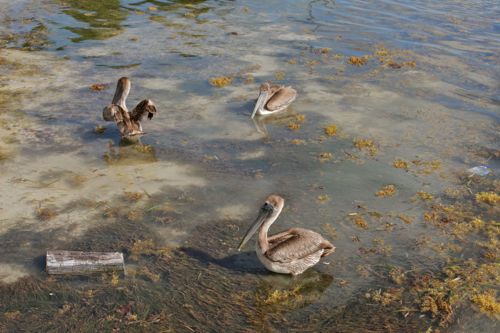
pixel 267 207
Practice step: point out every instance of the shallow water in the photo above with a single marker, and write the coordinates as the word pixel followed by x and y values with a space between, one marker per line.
pixel 178 201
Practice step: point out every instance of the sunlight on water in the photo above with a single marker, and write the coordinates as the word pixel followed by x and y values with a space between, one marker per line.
pixel 389 93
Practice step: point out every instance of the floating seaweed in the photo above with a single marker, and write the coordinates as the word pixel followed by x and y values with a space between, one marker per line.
pixel 358 61
pixel 330 130
pixel 427 167
pixel 99 129
pixel 487 302
pixel 325 156
pixel 386 191
pixel 366 145
pixel 220 81
pixel 323 198
pixel 298 142
pixel 425 196
pixel 360 222
pixel 490 198
pixel 400 164
pixel 279 75
pixel 98 87
pixel 405 218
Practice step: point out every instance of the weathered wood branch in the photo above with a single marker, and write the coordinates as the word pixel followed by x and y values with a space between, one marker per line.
pixel 77 262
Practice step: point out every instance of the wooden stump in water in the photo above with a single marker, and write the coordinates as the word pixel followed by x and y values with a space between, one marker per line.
pixel 77 262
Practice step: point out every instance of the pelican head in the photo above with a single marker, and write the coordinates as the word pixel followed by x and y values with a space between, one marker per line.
pixel 264 94
pixel 268 212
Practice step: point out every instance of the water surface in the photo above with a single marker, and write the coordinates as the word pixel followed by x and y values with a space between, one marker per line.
pixel 178 200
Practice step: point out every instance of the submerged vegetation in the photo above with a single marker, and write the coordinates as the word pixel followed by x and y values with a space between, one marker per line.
pixel 424 261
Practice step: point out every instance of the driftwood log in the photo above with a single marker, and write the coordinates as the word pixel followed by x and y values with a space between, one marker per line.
pixel 76 262
pixel 129 123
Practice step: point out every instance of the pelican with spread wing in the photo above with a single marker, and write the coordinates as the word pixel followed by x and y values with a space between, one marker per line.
pixel 129 123
pixel 288 252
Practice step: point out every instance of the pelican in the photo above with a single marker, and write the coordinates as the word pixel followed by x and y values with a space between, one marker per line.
pixel 129 123
pixel 288 252
pixel 273 98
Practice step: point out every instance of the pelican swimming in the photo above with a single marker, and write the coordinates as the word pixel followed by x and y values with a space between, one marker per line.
pixel 273 98
pixel 129 123
pixel 288 252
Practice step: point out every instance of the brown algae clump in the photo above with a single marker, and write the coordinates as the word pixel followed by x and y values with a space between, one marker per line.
pixel 387 297
pixel 400 164
pixel 488 197
pixel 220 81
pixel 427 167
pixel 357 61
pixel 13 315
pixel 300 118
pixel 298 142
pixel 98 87
pixel 405 218
pixel 360 222
pixel 46 213
pixel 280 75
pixel 99 129
pixel 133 196
pixel 386 191
pixel 282 297
pixel 147 248
pixel 323 198
pixel 330 130
pixel 425 196
pixel 295 123
pixel 487 302
pixel 325 156
pixel 366 145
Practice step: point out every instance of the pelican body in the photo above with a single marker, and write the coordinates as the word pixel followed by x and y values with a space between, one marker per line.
pixel 273 99
pixel 288 252
pixel 129 123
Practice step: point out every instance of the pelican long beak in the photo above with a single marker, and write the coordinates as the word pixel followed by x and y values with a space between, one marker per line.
pixel 264 213
pixel 260 102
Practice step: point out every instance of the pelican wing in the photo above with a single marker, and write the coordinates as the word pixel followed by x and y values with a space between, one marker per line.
pixel 145 106
pixel 281 99
pixel 295 244
pixel 125 125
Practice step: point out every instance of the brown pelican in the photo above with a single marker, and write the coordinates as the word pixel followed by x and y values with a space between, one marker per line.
pixel 273 98
pixel 129 123
pixel 288 252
